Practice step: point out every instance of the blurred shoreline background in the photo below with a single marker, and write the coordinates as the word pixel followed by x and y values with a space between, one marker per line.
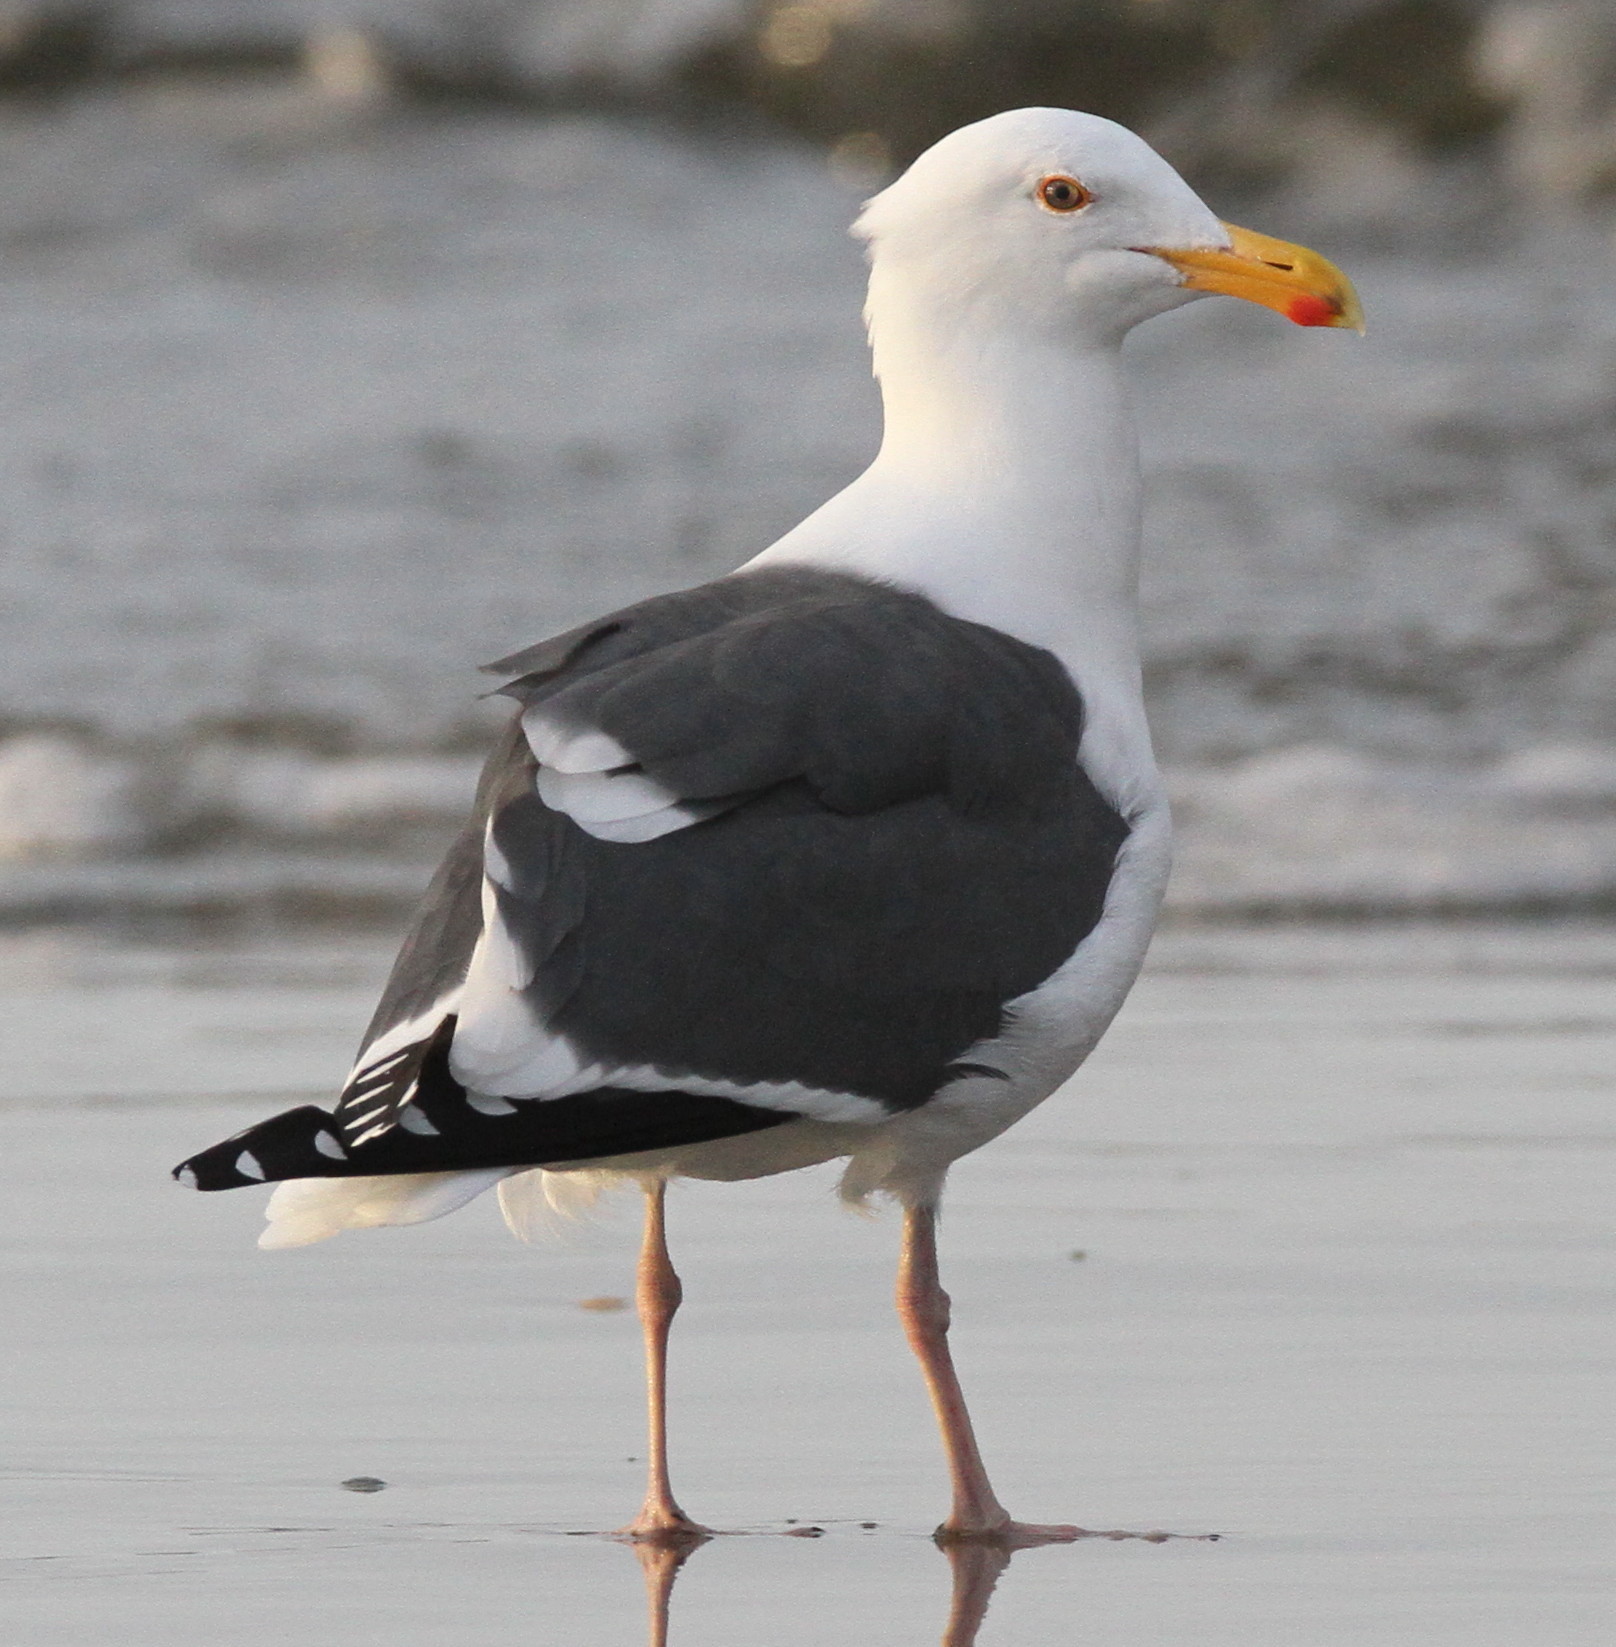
pixel 347 345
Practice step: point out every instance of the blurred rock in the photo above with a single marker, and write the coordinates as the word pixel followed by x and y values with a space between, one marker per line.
pixel 1234 86
pixel 905 72
pixel 532 47
pixel 176 33
pixel 50 43
pixel 560 48
pixel 494 47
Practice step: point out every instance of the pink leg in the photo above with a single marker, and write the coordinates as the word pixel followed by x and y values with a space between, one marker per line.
pixel 658 1295
pixel 923 1309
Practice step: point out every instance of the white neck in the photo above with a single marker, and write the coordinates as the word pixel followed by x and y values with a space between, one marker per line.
pixel 1007 489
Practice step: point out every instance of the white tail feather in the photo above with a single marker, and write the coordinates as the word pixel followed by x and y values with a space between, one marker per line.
pixel 539 1204
pixel 305 1210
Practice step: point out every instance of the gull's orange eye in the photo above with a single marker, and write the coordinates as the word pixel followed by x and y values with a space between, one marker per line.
pixel 1062 194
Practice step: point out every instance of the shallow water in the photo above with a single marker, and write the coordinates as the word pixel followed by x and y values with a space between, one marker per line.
pixel 1343 1200
pixel 312 418
pixel 304 413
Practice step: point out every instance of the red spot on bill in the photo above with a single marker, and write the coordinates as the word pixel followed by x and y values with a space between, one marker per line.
pixel 1308 310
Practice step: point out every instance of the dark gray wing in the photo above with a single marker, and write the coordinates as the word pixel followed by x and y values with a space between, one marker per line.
pixel 795 833
pixel 788 844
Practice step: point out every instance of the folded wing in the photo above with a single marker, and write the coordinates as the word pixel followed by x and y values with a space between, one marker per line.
pixel 785 845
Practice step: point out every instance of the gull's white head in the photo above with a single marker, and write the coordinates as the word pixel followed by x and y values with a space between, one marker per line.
pixel 1047 221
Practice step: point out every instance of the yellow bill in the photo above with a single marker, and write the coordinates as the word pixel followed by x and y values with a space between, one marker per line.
pixel 1300 284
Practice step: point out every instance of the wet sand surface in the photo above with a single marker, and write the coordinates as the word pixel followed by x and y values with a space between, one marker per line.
pixel 1343 1200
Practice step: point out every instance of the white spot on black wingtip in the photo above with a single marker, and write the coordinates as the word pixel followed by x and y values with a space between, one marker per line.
pixel 330 1145
pixel 248 1166
pixel 185 1176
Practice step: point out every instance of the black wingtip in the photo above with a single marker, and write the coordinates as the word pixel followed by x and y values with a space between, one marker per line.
pixel 298 1143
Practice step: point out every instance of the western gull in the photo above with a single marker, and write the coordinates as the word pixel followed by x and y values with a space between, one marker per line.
pixel 854 852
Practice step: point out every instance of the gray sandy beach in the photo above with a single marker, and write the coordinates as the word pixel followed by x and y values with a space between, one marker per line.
pixel 1344 1298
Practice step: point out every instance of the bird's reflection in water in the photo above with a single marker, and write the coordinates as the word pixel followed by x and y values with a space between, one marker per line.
pixel 660 1561
pixel 976 1566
